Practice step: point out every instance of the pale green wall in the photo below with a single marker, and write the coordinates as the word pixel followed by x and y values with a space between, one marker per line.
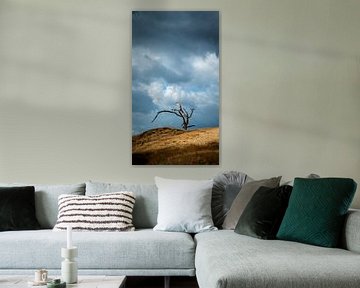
pixel 290 89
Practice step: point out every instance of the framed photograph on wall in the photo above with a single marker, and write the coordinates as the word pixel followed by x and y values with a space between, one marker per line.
pixel 175 87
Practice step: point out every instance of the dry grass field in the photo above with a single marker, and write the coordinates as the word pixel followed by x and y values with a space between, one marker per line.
pixel 167 146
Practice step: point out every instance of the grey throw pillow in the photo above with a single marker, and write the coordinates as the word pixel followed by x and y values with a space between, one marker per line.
pixel 184 205
pixel 243 198
pixel 226 187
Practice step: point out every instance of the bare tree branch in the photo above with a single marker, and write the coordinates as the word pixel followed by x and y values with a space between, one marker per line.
pixel 180 112
pixel 192 110
pixel 164 111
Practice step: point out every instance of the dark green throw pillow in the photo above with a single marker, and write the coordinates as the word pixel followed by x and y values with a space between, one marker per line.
pixel 263 214
pixel 17 208
pixel 316 211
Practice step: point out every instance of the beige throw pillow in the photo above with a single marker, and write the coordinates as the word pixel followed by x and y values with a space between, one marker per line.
pixel 243 198
pixel 104 212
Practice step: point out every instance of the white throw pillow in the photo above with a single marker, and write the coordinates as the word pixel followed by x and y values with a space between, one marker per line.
pixel 104 212
pixel 184 205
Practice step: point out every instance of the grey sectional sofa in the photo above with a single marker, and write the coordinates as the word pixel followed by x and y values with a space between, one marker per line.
pixel 218 259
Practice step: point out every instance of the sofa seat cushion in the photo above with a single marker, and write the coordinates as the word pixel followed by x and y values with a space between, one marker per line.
pixel 142 249
pixel 226 259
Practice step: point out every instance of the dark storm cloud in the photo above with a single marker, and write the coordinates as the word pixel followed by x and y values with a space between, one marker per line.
pixel 193 31
pixel 211 118
pixel 141 102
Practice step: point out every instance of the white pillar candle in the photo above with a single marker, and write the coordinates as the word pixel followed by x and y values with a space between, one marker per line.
pixel 69 237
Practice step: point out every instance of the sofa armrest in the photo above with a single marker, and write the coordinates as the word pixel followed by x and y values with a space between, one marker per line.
pixel 351 234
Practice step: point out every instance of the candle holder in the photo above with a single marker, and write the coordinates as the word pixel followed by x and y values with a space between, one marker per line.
pixel 68 265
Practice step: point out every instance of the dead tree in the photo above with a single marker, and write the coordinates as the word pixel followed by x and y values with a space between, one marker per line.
pixel 180 112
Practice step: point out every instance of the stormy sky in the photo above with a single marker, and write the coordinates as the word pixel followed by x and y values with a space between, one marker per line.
pixel 175 59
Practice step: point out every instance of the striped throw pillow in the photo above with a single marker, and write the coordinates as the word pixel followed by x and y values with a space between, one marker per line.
pixel 105 212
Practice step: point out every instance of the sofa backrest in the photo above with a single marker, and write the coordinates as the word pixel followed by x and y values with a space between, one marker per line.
pixel 146 203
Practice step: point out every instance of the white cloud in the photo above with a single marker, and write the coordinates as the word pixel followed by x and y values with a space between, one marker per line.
pixel 174 93
pixel 205 68
pixel 156 91
pixel 164 95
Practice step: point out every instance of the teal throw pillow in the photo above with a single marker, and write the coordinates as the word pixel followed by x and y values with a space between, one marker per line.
pixel 316 211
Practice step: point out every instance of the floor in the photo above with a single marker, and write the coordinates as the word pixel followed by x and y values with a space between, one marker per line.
pixel 158 282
